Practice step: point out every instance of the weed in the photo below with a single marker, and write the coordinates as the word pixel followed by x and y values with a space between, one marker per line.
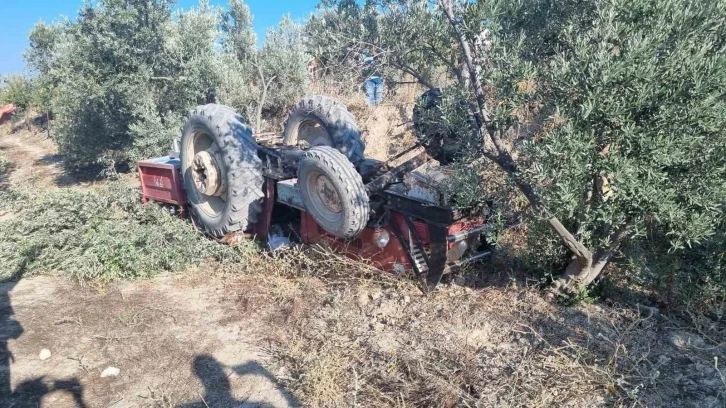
pixel 3 164
pixel 98 234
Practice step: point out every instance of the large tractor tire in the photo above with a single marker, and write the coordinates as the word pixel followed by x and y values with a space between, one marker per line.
pixel 321 121
pixel 333 191
pixel 221 170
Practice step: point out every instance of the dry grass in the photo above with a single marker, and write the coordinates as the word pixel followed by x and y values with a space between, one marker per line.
pixel 349 337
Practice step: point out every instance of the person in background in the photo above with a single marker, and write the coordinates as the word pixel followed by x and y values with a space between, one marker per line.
pixel 372 79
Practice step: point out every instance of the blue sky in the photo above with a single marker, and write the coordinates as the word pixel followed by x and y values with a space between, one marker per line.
pixel 17 17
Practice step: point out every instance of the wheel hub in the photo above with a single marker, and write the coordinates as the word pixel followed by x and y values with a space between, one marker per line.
pixel 206 174
pixel 328 196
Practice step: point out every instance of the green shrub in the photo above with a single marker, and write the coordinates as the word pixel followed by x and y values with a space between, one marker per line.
pixel 18 90
pixel 103 234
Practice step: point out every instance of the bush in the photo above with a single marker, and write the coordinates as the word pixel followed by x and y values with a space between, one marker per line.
pixel 18 90
pixel 104 234
pixel 586 95
pixel 284 57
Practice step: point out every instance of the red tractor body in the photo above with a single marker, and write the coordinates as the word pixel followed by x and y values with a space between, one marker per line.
pixel 415 235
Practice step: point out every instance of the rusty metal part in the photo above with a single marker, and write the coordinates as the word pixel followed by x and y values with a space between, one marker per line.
pixel 328 196
pixel 206 173
pixel 382 182
pixel 463 235
pixel 385 165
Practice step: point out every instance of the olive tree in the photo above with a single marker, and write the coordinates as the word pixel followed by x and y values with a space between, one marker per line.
pixel 609 116
pixel 408 36
pixel 120 77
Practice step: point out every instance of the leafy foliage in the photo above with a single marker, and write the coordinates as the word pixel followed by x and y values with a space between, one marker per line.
pixel 284 57
pixel 121 76
pixel 409 36
pixel 104 234
pixel 633 120
pixel 18 90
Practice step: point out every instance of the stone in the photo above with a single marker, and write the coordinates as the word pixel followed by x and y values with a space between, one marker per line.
pixel 682 339
pixel 110 372
pixel 363 300
pixel 44 354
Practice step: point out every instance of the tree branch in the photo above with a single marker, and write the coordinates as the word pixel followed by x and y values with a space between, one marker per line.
pixel 503 158
pixel 265 85
pixel 420 78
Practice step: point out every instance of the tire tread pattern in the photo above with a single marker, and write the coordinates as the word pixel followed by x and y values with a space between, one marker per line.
pixel 337 120
pixel 243 168
pixel 356 200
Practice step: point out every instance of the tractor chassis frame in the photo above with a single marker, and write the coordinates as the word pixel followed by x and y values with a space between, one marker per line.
pixel 280 163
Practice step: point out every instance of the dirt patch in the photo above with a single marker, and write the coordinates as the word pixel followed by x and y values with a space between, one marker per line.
pixel 33 161
pixel 33 158
pixel 176 341
pixel 386 130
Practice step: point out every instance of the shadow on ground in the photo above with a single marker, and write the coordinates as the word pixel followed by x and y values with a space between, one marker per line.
pixel 218 389
pixel 29 393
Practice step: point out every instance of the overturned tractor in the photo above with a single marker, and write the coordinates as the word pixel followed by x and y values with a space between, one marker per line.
pixel 314 184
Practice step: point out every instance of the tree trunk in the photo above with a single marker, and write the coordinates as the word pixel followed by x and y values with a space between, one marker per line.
pixel 265 85
pixel 585 266
pixel 583 270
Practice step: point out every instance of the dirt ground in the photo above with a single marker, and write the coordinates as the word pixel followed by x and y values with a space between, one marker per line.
pixel 174 339
pixel 215 337
pixel 177 341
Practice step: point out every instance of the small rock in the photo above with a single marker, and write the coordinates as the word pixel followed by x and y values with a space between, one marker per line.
pixel 110 372
pixel 683 339
pixel 407 299
pixel 44 354
pixel 362 300
pixel 376 295
pixel 648 311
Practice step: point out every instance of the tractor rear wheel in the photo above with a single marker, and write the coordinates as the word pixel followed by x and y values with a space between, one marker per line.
pixel 221 170
pixel 321 121
pixel 333 191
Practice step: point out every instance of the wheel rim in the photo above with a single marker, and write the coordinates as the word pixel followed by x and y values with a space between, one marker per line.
pixel 324 197
pixel 314 133
pixel 207 172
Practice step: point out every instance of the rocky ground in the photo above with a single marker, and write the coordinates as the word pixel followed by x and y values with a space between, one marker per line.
pixel 308 328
